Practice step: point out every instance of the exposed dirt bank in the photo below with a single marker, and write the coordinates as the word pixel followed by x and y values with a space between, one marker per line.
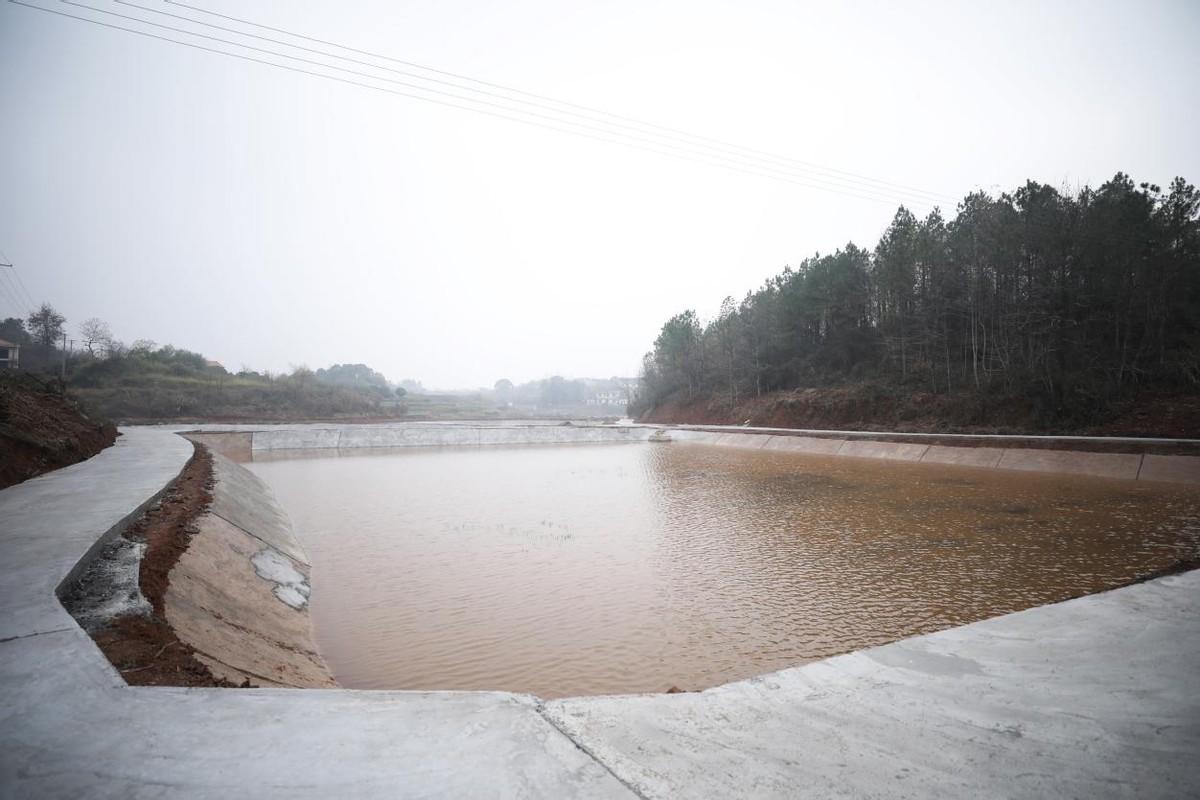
pixel 868 408
pixel 142 646
pixel 42 430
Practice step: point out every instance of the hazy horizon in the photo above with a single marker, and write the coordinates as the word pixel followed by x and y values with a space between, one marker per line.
pixel 270 218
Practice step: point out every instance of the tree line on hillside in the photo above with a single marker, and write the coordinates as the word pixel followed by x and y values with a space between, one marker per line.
pixel 147 381
pixel 1069 300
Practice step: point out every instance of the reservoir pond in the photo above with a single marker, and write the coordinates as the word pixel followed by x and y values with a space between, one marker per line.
pixel 594 569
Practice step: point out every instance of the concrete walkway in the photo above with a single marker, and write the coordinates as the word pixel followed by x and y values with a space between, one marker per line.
pixel 71 727
pixel 1097 697
pixel 1092 698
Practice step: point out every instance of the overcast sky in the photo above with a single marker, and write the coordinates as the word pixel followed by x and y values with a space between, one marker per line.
pixel 270 218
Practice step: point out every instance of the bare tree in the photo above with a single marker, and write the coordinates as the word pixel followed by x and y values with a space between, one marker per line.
pixel 96 334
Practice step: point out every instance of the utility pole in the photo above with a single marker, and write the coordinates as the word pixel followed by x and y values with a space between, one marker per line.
pixel 63 368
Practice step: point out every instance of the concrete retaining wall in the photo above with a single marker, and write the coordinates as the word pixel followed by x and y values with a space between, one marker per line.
pixel 1049 454
pixel 233 444
pixel 358 436
pixel 1121 466
pixel 239 593
pixel 1176 469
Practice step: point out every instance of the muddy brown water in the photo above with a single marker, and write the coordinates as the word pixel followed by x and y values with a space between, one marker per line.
pixel 592 569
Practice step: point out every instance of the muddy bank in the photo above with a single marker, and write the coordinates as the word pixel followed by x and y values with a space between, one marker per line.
pixel 120 599
pixel 41 429
pixel 207 588
pixel 871 408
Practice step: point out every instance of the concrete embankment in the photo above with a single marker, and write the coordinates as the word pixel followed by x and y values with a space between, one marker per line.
pixel 1095 697
pixel 1170 461
pixel 1053 455
pixel 70 726
pixel 240 443
pixel 239 594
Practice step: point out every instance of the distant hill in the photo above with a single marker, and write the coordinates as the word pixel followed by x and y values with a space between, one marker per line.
pixel 168 383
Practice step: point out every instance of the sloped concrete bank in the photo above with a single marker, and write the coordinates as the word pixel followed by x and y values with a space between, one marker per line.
pixel 70 726
pixel 241 442
pixel 1134 464
pixel 1096 697
pixel 239 593
pixel 1171 461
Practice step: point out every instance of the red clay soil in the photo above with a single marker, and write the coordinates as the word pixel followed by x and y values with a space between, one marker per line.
pixel 145 650
pixel 41 429
pixel 865 408
pixel 1156 414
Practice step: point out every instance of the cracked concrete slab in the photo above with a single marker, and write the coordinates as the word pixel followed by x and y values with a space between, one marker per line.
pixel 218 603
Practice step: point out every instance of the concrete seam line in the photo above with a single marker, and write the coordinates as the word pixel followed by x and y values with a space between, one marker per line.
pixel 259 538
pixel 1141 461
pixel 31 635
pixel 246 671
pixel 540 708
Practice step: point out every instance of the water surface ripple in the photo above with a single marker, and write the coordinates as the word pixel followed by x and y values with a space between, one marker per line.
pixel 627 568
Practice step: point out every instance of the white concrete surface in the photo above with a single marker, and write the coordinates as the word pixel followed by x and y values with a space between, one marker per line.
pixel 71 727
pixel 274 438
pixel 1093 698
pixel 1132 441
pixel 967 451
pixel 990 451
pixel 50 524
pixel 1096 697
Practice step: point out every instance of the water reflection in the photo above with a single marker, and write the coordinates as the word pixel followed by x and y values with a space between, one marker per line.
pixel 624 568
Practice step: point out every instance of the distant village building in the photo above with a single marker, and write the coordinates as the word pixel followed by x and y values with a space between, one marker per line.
pixel 615 393
pixel 214 365
pixel 612 397
pixel 10 355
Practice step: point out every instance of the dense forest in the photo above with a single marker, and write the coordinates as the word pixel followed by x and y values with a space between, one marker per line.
pixel 1066 302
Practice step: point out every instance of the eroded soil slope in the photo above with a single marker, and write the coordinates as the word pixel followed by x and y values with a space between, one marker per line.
pixel 138 641
pixel 41 429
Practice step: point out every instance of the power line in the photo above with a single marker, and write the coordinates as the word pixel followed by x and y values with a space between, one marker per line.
pixel 722 143
pixel 622 123
pixel 15 279
pixel 635 144
pixel 10 290
pixel 8 296
pixel 821 182
pixel 21 282
pixel 709 159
